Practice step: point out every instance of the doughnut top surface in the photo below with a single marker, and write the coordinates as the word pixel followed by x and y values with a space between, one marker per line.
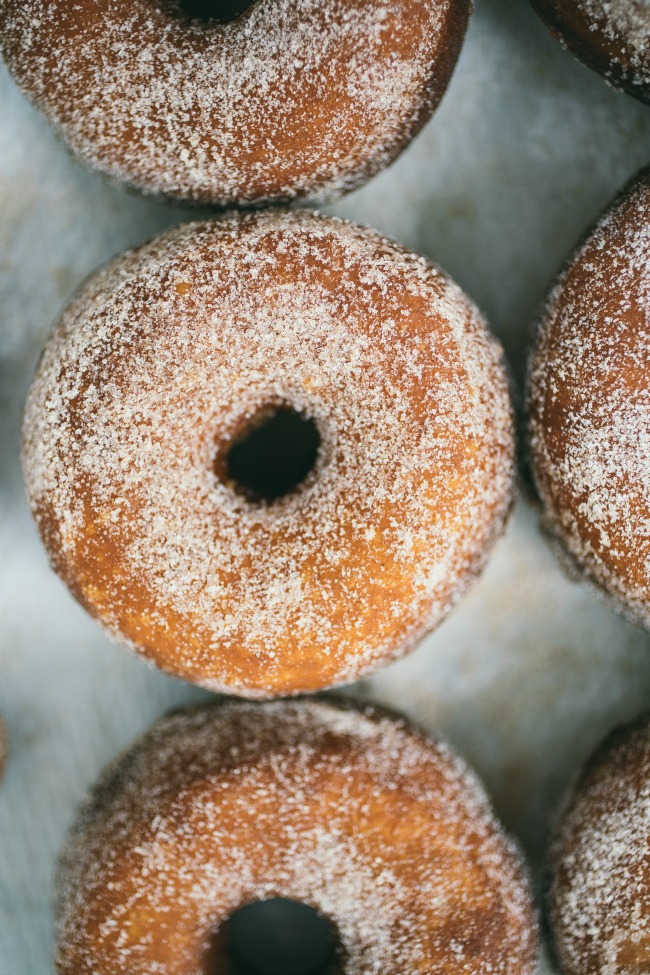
pixel 151 374
pixel 386 834
pixel 610 36
pixel 292 98
pixel 601 889
pixel 590 404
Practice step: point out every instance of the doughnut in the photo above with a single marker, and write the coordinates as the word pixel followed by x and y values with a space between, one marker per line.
pixel 384 835
pixel 235 102
pixel 269 452
pixel 589 406
pixel 612 37
pixel 600 892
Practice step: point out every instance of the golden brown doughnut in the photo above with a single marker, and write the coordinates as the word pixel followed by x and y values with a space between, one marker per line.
pixel 174 355
pixel 278 99
pixel 351 812
pixel 600 895
pixel 610 36
pixel 589 402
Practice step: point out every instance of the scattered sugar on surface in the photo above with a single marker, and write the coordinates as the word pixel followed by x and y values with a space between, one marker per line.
pixel 601 907
pixel 594 346
pixel 140 381
pixel 268 763
pixel 630 18
pixel 627 24
pixel 176 107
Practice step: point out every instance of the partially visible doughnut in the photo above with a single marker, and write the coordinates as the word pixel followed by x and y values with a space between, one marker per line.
pixel 600 895
pixel 589 404
pixel 610 36
pixel 175 355
pixel 386 834
pixel 262 101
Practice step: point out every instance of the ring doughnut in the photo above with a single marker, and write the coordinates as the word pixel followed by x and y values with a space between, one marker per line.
pixel 385 835
pixel 589 404
pixel 611 37
pixel 251 102
pixel 271 452
pixel 600 895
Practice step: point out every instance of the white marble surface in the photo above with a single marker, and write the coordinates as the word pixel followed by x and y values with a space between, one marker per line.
pixel 531 669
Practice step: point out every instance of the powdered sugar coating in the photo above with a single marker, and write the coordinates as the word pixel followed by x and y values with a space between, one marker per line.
pixel 625 23
pixel 627 19
pixel 294 98
pixel 601 891
pixel 610 36
pixel 386 834
pixel 590 404
pixel 155 366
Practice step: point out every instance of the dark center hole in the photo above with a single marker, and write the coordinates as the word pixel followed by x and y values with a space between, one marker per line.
pixel 274 454
pixel 280 937
pixel 223 11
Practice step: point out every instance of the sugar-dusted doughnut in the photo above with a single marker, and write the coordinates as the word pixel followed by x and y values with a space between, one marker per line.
pixel 600 893
pixel 589 401
pixel 231 102
pixel 610 36
pixel 270 452
pixel 351 813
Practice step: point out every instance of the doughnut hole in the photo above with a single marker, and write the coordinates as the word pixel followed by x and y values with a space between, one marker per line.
pixel 223 11
pixel 271 455
pixel 277 936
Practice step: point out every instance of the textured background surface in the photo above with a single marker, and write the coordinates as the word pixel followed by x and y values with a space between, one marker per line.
pixel 531 669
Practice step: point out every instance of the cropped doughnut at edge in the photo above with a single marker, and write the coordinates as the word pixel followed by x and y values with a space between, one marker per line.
pixel 293 98
pixel 351 812
pixel 589 404
pixel 600 899
pixel 611 37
